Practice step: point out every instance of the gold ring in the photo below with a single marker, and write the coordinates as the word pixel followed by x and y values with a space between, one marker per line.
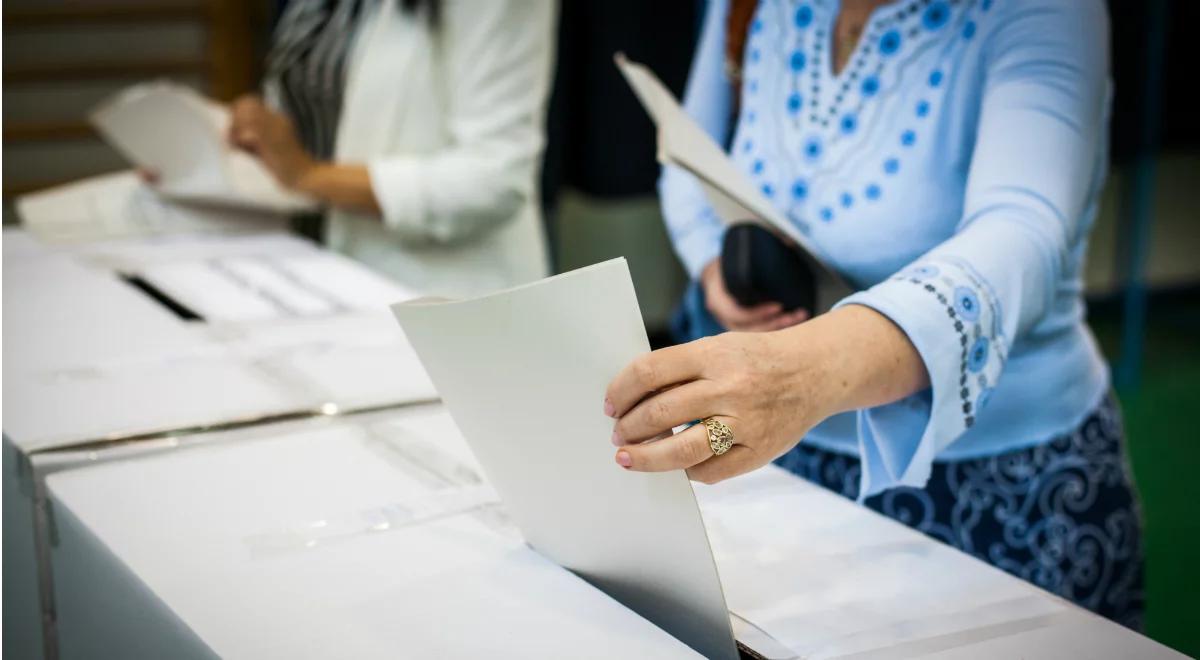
pixel 720 436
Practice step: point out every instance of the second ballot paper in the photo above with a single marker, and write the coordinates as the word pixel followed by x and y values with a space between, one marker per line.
pixel 181 136
pixel 523 373
pixel 734 198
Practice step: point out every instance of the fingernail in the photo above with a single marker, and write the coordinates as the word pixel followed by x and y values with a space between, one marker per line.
pixel 609 410
pixel 624 459
pixel 616 439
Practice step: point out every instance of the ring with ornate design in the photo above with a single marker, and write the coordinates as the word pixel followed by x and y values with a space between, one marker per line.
pixel 720 436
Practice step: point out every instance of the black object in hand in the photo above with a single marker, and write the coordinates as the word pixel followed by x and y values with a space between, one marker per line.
pixel 759 267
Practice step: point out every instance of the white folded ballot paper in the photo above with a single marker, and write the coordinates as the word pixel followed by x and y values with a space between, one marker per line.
pixel 181 136
pixel 523 373
pixel 734 198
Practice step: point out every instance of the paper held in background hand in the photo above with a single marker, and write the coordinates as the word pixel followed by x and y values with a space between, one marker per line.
pixel 523 373
pixel 734 198
pixel 178 134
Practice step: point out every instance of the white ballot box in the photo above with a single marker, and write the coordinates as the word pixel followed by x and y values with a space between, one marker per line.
pixel 826 578
pixel 93 355
pixel 377 535
pixel 365 536
pixel 144 336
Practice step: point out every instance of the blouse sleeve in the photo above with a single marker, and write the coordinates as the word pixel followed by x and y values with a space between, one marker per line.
pixel 694 227
pixel 497 77
pixel 1037 150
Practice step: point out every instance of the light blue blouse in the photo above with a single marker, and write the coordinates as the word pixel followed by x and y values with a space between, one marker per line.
pixel 952 170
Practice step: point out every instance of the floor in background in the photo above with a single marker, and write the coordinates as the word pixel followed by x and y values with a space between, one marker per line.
pixel 1164 444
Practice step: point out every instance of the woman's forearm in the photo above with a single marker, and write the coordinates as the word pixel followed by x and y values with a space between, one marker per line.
pixel 862 359
pixel 343 186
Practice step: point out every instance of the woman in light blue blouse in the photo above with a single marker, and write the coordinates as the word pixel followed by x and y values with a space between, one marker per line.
pixel 947 157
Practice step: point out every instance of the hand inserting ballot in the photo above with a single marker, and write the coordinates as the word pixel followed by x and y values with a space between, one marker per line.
pixel 768 389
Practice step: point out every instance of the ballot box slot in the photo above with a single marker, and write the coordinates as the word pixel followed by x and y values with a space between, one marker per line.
pixel 159 296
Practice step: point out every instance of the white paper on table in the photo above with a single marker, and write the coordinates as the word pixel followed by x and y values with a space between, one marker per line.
pixel 180 135
pixel 121 205
pixel 734 198
pixel 523 372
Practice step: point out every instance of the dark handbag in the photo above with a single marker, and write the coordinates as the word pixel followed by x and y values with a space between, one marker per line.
pixel 759 267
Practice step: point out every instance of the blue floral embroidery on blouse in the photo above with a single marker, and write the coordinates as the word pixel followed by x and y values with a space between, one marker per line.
pixel 870 85
pixel 804 16
pixel 889 43
pixel 935 16
pixel 966 303
pixel 794 103
pixel 978 356
pixel 798 61
pixel 812 148
pixel 983 399
pixel 959 291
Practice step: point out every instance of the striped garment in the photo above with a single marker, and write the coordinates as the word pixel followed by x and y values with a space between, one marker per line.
pixel 308 59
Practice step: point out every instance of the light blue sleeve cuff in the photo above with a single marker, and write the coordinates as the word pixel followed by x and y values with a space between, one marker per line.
pixel 952 318
pixel 699 246
pixel 696 231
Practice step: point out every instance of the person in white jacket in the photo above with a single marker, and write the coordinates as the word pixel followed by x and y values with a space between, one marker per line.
pixel 419 125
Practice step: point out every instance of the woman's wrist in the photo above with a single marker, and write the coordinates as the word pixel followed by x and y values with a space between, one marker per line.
pixel 305 175
pixel 343 185
pixel 809 366
pixel 850 358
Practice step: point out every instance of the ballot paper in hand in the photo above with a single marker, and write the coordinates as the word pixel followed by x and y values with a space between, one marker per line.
pixel 523 373
pixel 180 135
pixel 122 205
pixel 735 199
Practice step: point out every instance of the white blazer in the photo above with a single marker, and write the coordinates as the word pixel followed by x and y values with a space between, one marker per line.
pixel 449 122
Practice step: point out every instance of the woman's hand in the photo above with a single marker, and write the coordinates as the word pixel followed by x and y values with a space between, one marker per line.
pixel 732 316
pixel 769 388
pixel 271 136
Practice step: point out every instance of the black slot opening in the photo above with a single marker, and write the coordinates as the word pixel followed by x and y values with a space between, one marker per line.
pixel 157 295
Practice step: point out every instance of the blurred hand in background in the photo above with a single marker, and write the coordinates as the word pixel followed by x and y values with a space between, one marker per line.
pixel 733 316
pixel 271 136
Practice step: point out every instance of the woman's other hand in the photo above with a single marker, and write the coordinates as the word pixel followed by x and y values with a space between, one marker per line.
pixel 271 136
pixel 733 316
pixel 769 388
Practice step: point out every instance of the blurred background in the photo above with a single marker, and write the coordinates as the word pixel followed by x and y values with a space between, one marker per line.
pixel 1143 277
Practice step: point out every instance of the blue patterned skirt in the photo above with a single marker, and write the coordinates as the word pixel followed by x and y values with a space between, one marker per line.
pixel 1063 515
